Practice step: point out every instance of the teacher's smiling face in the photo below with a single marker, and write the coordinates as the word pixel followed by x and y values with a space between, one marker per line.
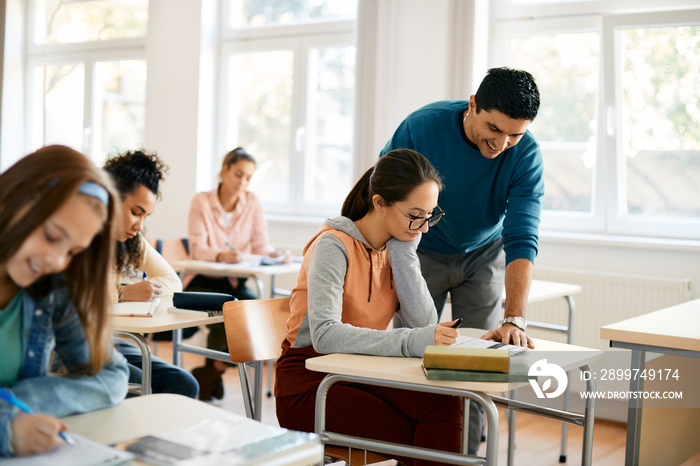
pixel 492 131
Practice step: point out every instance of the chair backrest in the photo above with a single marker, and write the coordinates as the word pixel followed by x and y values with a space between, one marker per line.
pixel 173 250
pixel 255 328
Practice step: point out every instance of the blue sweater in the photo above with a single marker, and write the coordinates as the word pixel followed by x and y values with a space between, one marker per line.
pixel 483 198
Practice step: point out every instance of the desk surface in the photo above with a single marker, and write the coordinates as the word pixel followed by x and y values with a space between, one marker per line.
pixel 152 414
pixel 676 327
pixel 541 290
pixel 409 369
pixel 220 268
pixel 161 321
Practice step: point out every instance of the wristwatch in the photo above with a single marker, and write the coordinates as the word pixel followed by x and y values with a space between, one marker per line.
pixel 517 321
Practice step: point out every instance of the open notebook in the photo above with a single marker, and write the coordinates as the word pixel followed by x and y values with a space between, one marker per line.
pixel 135 308
pixel 84 453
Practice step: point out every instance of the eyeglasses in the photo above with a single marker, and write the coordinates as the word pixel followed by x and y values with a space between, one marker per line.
pixel 416 223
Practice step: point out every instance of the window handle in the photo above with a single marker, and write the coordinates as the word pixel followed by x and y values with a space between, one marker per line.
pixel 609 121
pixel 300 139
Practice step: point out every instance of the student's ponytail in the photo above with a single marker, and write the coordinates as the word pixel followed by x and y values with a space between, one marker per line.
pixel 357 202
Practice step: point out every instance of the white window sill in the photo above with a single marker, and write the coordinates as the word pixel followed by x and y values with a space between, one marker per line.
pixel 633 242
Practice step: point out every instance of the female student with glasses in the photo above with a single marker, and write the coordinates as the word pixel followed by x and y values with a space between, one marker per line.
pixel 358 272
pixel 57 212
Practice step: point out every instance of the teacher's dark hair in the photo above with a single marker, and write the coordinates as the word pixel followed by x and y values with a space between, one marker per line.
pixel 509 91
pixel 393 177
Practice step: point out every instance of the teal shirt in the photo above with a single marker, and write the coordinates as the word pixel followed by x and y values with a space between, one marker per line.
pixel 483 198
pixel 11 341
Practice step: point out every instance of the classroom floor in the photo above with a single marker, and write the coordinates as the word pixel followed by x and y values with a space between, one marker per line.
pixel 538 439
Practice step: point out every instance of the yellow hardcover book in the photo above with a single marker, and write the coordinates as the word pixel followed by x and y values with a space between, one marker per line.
pixel 466 359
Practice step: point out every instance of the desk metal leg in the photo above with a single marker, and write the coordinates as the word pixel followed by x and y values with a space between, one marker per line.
pixel 588 420
pixel 177 351
pixel 569 340
pixel 145 358
pixel 634 410
pixel 408 450
pixel 510 415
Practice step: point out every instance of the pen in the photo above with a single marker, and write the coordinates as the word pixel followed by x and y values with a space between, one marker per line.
pixel 145 276
pixel 458 323
pixel 228 245
pixel 13 400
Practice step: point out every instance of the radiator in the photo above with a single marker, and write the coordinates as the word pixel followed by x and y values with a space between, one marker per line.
pixel 605 298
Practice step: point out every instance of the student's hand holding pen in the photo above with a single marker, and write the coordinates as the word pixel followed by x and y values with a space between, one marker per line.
pixel 145 290
pixel 284 256
pixel 446 332
pixel 33 434
pixel 231 256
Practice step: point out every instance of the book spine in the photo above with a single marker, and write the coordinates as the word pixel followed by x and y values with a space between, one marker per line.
pixel 465 362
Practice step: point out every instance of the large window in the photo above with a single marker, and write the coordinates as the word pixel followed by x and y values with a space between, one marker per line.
pixel 287 87
pixel 620 111
pixel 86 74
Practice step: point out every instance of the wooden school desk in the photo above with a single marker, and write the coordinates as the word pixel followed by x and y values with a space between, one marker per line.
pixel 255 272
pixel 134 328
pixel 406 373
pixel 153 414
pixel 674 330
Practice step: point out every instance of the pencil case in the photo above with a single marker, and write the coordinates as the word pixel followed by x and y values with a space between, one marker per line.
pixel 201 300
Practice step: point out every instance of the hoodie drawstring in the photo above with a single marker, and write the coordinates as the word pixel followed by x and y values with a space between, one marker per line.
pixel 369 251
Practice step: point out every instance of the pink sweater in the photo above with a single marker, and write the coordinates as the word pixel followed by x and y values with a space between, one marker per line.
pixel 209 231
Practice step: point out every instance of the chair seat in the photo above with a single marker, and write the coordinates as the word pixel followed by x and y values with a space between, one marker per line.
pixel 358 455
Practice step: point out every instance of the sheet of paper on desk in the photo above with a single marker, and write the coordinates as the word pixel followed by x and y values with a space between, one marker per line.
pixel 221 441
pixel 135 308
pixel 469 342
pixel 84 453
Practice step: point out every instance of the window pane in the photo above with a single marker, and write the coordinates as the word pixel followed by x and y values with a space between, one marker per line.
pixel 259 117
pixel 58 112
pixel 120 103
pixel 64 21
pixel 566 122
pixel 251 13
pixel 328 165
pixel 661 120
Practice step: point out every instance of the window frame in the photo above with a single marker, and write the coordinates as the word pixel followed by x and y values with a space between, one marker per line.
pixel 304 37
pixel 608 207
pixel 86 53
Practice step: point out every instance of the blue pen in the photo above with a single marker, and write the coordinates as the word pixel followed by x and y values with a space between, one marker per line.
pixel 13 400
pixel 145 276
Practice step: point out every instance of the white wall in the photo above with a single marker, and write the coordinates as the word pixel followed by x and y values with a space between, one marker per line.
pixel 172 110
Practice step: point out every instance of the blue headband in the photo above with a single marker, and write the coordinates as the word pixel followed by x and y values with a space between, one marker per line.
pixel 93 189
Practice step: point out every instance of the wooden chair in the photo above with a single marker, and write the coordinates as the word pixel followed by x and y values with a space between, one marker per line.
pixel 173 249
pixel 255 330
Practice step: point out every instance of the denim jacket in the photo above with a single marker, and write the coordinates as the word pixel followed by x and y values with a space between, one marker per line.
pixel 52 324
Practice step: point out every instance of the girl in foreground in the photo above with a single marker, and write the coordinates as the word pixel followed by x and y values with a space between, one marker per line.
pixel 359 271
pixel 56 217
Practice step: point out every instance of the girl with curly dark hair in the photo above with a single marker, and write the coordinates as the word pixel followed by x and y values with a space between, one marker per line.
pixel 137 175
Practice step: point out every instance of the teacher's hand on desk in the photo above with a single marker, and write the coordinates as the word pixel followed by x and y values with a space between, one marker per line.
pixel 445 334
pixel 142 291
pixel 509 334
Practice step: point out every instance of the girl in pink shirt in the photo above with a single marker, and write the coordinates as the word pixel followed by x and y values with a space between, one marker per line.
pixel 224 225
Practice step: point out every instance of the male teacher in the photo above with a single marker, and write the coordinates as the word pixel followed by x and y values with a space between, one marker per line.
pixel 491 166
